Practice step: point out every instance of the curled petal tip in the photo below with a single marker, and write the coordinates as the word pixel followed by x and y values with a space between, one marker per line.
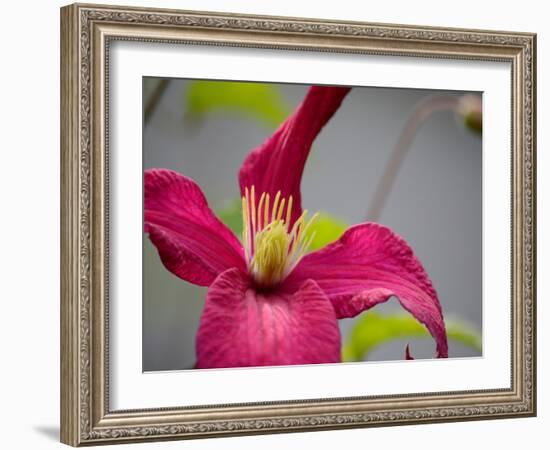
pixel 408 352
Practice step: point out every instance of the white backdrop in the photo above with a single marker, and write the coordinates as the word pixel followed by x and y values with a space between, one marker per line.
pixel 30 221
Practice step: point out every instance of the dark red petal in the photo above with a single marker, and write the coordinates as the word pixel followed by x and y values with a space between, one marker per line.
pixel 192 243
pixel 365 267
pixel 243 327
pixel 278 164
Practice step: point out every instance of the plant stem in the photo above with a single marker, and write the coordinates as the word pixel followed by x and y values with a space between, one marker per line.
pixel 422 111
pixel 154 99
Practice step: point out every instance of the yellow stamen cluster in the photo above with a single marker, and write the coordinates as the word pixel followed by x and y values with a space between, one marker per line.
pixel 272 248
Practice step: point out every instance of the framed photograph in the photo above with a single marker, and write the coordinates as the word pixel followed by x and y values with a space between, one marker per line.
pixel 277 225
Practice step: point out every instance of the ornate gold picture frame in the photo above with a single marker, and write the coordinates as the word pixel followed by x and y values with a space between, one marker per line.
pixel 87 33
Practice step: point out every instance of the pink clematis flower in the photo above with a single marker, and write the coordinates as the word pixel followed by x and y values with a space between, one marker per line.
pixel 269 302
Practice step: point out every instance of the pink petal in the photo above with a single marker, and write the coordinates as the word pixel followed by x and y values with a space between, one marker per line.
pixel 278 164
pixel 192 243
pixel 243 327
pixel 365 267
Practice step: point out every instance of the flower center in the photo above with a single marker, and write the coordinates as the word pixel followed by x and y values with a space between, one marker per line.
pixel 272 248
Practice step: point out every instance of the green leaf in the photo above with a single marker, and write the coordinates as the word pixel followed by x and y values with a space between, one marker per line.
pixel 258 101
pixel 232 216
pixel 326 228
pixel 374 329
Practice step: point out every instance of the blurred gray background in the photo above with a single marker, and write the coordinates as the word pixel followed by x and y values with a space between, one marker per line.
pixel 435 203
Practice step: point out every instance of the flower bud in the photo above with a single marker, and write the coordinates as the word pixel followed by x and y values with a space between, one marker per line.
pixel 469 111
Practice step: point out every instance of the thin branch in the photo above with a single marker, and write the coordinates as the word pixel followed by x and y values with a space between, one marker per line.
pixel 154 99
pixel 423 110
